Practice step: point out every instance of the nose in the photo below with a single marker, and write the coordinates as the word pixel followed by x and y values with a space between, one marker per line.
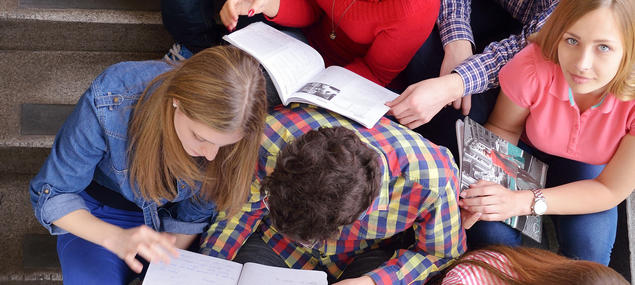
pixel 585 60
pixel 209 151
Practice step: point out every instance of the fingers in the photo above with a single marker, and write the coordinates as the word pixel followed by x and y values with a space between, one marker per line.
pixel 401 97
pixel 466 104
pixel 133 263
pixel 468 218
pixel 228 15
pixel 457 104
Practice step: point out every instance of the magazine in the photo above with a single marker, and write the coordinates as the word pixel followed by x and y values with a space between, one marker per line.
pixel 298 73
pixel 196 269
pixel 485 156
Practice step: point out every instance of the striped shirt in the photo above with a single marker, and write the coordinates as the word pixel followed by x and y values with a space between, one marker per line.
pixel 419 190
pixel 480 71
pixel 469 274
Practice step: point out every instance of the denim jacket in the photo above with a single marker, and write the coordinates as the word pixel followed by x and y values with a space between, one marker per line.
pixel 92 145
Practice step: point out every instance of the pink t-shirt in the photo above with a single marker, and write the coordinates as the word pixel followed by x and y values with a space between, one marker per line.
pixel 468 274
pixel 554 124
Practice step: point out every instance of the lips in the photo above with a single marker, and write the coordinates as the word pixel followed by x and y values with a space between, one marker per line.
pixel 579 79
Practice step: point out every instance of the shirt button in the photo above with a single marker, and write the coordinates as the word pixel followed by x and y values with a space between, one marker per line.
pixel 46 191
pixel 313 262
pixel 182 186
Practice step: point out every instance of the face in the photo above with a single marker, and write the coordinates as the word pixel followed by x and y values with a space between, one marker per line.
pixel 200 140
pixel 590 52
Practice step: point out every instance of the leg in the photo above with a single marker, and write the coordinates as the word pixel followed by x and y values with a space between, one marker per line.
pixel 84 262
pixel 589 237
pixel 191 22
pixel 257 251
pixel 485 233
pixel 366 262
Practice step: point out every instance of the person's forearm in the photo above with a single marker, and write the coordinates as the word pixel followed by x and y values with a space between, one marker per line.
pixel 271 8
pixel 507 135
pixel 581 197
pixel 86 226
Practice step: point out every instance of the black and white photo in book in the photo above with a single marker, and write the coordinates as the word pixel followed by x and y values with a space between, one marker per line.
pixel 485 156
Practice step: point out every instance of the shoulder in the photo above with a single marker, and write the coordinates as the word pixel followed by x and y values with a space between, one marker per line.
pixel 128 77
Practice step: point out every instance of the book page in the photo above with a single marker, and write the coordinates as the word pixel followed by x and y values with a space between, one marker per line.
pixel 289 61
pixel 254 273
pixel 486 156
pixel 193 269
pixel 343 91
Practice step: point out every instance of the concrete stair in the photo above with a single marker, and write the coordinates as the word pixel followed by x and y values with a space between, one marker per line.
pixel 50 51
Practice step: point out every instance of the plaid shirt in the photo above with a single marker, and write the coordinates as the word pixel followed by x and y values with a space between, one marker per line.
pixel 480 72
pixel 419 190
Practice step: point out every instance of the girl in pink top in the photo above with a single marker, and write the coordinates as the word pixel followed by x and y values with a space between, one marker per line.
pixel 568 98
pixel 501 265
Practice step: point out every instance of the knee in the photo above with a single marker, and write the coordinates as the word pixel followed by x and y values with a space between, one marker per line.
pixel 490 233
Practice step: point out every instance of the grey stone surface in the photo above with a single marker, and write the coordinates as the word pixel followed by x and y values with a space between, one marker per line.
pixel 19 220
pixel 40 35
pixel 22 160
pixel 47 78
pixel 43 119
pixel 134 5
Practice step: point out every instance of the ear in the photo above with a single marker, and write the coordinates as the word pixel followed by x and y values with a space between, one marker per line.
pixel 175 102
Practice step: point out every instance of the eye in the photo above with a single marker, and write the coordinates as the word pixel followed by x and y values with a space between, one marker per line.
pixel 604 48
pixel 571 41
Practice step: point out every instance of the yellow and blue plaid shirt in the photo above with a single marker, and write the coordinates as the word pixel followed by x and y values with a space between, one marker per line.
pixel 419 189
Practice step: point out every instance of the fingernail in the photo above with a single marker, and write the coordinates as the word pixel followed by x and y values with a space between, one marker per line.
pixel 250 13
pixel 462 194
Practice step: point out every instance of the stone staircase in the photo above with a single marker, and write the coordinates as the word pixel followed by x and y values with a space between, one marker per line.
pixel 50 51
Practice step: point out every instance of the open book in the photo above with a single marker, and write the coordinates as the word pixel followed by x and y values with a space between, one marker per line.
pixel 196 269
pixel 485 156
pixel 297 71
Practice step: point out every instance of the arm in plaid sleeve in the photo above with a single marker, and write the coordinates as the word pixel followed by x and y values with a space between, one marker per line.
pixel 480 71
pixel 454 21
pixel 226 235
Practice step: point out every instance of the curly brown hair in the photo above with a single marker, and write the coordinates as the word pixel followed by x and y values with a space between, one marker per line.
pixel 323 180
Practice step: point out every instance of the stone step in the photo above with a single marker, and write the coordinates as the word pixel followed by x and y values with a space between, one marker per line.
pixel 47 77
pixel 28 251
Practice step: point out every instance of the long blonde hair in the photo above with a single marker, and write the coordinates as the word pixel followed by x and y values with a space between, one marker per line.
pixel 535 266
pixel 221 87
pixel 568 12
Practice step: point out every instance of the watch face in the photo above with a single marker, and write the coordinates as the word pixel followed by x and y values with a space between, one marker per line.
pixel 540 207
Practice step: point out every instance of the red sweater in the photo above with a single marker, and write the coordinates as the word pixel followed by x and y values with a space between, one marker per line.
pixel 375 39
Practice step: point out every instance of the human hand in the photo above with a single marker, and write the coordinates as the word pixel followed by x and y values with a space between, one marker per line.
pixel 234 8
pixel 455 53
pixel 495 202
pixel 142 240
pixel 364 280
pixel 468 218
pixel 423 100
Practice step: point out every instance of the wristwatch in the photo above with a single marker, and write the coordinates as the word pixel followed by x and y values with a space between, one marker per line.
pixel 539 206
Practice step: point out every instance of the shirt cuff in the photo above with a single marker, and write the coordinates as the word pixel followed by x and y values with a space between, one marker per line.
pixel 58 206
pixel 455 29
pixel 474 75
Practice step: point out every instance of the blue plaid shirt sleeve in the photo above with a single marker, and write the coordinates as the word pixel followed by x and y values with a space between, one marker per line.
pixel 480 71
pixel 454 21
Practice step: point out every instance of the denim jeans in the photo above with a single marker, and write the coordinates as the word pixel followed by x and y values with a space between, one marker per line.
pixel 84 262
pixel 588 237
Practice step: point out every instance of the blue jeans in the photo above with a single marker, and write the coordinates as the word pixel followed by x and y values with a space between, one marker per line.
pixel 84 262
pixel 588 237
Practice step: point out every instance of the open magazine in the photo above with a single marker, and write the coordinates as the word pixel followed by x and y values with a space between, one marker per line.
pixel 196 269
pixel 298 73
pixel 485 156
